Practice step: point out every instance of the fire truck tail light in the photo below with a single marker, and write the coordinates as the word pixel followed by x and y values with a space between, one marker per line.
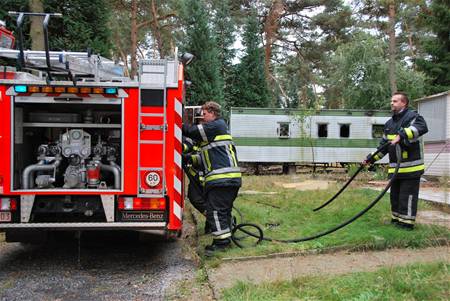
pixel 128 203
pixel 7 204
pixel 20 89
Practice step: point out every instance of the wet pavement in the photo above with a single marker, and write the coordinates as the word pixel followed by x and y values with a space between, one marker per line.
pixel 100 267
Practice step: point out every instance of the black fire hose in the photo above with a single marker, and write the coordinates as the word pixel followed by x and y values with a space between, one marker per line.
pixel 260 235
pixel 361 167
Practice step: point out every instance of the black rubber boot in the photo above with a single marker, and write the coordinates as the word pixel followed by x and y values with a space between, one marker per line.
pixel 405 226
pixel 217 245
pixel 208 229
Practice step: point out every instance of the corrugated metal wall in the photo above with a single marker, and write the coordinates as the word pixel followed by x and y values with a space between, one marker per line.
pixel 436 111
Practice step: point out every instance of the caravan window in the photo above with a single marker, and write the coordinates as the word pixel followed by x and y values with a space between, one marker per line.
pixel 377 130
pixel 283 130
pixel 344 131
pixel 322 130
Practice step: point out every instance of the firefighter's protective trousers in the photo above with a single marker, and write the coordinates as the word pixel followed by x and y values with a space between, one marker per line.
pixel 221 172
pixel 404 197
pixel 410 126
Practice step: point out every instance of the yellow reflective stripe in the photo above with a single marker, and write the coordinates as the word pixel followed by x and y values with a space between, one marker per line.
pixel 407 169
pixel 409 133
pixel 194 160
pixel 394 217
pixel 224 176
pixel 208 162
pixel 192 172
pixel 233 155
pixel 376 157
pixel 223 236
pixel 185 148
pixel 391 136
pixel 405 155
pixel 223 137
pixel 406 221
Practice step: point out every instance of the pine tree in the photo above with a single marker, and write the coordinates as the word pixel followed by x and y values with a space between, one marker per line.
pixel 84 25
pixel 250 87
pixel 437 66
pixel 203 72
pixel 224 28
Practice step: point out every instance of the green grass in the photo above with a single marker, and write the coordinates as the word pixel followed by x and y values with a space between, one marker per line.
pixel 414 282
pixel 295 218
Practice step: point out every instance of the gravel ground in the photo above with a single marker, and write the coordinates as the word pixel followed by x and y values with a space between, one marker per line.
pixel 113 267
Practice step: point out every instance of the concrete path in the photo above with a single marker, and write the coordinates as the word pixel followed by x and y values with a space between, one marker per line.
pixel 288 268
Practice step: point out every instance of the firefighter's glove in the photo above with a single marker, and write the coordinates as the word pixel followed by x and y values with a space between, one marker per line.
pixel 369 160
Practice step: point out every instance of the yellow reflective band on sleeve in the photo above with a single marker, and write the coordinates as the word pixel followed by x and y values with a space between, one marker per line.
pixel 223 137
pixel 208 162
pixel 391 136
pixel 409 133
pixel 407 169
pixel 404 154
pixel 232 175
pixel 192 172
pixel 233 155
pixel 185 148
pixel 376 157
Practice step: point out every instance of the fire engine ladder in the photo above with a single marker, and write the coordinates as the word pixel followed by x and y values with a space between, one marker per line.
pixel 153 75
pixel 70 64
pixel 78 64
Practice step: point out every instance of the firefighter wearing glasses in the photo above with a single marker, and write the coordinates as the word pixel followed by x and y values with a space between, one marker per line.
pixel 222 175
pixel 405 127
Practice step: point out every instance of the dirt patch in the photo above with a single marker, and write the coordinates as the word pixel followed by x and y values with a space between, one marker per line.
pixel 307 185
pixel 433 217
pixel 257 192
pixel 278 269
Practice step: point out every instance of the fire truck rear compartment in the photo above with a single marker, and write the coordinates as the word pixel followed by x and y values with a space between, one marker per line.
pixel 67 146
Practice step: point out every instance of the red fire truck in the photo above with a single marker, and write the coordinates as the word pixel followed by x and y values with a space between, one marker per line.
pixel 84 148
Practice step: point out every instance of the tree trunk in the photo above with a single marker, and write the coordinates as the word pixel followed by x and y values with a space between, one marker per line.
pixel 36 29
pixel 133 38
pixel 392 46
pixel 270 29
pixel 156 30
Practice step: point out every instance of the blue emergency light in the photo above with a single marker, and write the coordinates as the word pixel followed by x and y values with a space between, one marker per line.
pixel 110 90
pixel 20 89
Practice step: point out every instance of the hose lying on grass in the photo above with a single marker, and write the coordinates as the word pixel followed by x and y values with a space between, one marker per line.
pixel 259 234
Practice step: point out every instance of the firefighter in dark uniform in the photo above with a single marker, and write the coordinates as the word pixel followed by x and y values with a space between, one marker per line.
pixel 405 127
pixel 221 172
pixel 191 157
